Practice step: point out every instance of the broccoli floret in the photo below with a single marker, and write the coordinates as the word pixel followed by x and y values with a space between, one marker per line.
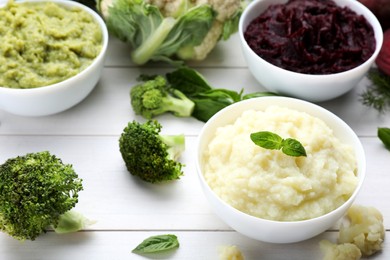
pixel 154 97
pixel 35 191
pixel 149 155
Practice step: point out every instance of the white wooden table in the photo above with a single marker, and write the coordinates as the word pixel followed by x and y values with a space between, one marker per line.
pixel 128 210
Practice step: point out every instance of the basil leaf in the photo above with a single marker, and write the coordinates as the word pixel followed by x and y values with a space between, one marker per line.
pixel 272 141
pixel 384 136
pixel 293 148
pixel 267 140
pixel 155 244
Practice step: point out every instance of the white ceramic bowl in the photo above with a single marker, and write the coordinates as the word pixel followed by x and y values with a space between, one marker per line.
pixel 269 230
pixel 58 97
pixel 313 88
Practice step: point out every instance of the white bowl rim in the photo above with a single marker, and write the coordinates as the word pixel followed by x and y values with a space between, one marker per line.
pixel 361 174
pixel 65 83
pixel 373 21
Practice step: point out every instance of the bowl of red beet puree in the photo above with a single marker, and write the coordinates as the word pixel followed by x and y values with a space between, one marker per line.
pixel 311 49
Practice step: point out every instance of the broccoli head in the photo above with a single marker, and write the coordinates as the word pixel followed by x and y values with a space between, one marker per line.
pixel 149 155
pixel 154 97
pixel 35 190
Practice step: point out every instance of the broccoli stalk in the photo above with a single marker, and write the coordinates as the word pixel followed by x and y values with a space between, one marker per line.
pixel 154 97
pixel 149 155
pixel 175 144
pixel 36 190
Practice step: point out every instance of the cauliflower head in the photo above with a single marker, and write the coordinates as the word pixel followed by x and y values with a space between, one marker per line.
pixel 171 30
pixel 366 229
pixel 346 251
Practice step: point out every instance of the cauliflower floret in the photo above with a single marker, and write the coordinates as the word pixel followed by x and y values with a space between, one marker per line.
pixel 345 251
pixel 104 6
pixel 171 8
pixel 230 253
pixel 225 8
pixel 366 229
pixel 210 40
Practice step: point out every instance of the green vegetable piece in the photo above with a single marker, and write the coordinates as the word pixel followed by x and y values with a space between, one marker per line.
pixel 185 92
pixel 35 190
pixel 272 141
pixel 208 100
pixel 154 97
pixel 188 81
pixel 384 136
pixel 156 244
pixel 71 221
pixel 149 155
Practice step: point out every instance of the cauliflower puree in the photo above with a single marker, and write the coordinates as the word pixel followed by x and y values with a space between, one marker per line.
pixel 269 184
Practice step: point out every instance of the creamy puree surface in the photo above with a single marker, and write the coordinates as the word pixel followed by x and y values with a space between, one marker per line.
pixel 269 184
pixel 42 43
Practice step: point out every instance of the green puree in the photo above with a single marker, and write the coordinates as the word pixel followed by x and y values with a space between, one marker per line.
pixel 45 43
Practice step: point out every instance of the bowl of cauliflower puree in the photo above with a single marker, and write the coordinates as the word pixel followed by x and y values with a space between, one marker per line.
pixel 51 55
pixel 270 195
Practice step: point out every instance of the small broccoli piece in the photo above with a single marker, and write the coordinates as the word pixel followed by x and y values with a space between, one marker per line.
pixel 366 229
pixel 149 155
pixel 35 190
pixel 153 97
pixel 345 251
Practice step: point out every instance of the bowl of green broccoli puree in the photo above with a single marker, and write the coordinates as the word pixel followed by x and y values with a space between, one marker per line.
pixel 51 55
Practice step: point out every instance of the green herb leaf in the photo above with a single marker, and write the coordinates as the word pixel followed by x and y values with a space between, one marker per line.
pixel 293 148
pixel 272 141
pixel 156 244
pixel 384 136
pixel 267 140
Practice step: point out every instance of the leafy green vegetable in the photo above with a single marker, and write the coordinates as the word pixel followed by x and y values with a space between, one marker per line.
pixel 172 30
pixel 35 191
pixel 192 85
pixel 156 244
pixel 149 155
pixel 384 136
pixel 378 94
pixel 272 141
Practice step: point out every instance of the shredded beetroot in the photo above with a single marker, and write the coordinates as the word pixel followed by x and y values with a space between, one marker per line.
pixel 311 37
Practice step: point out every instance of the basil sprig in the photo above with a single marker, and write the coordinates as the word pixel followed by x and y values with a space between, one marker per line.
pixel 272 141
pixel 156 244
pixel 384 136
